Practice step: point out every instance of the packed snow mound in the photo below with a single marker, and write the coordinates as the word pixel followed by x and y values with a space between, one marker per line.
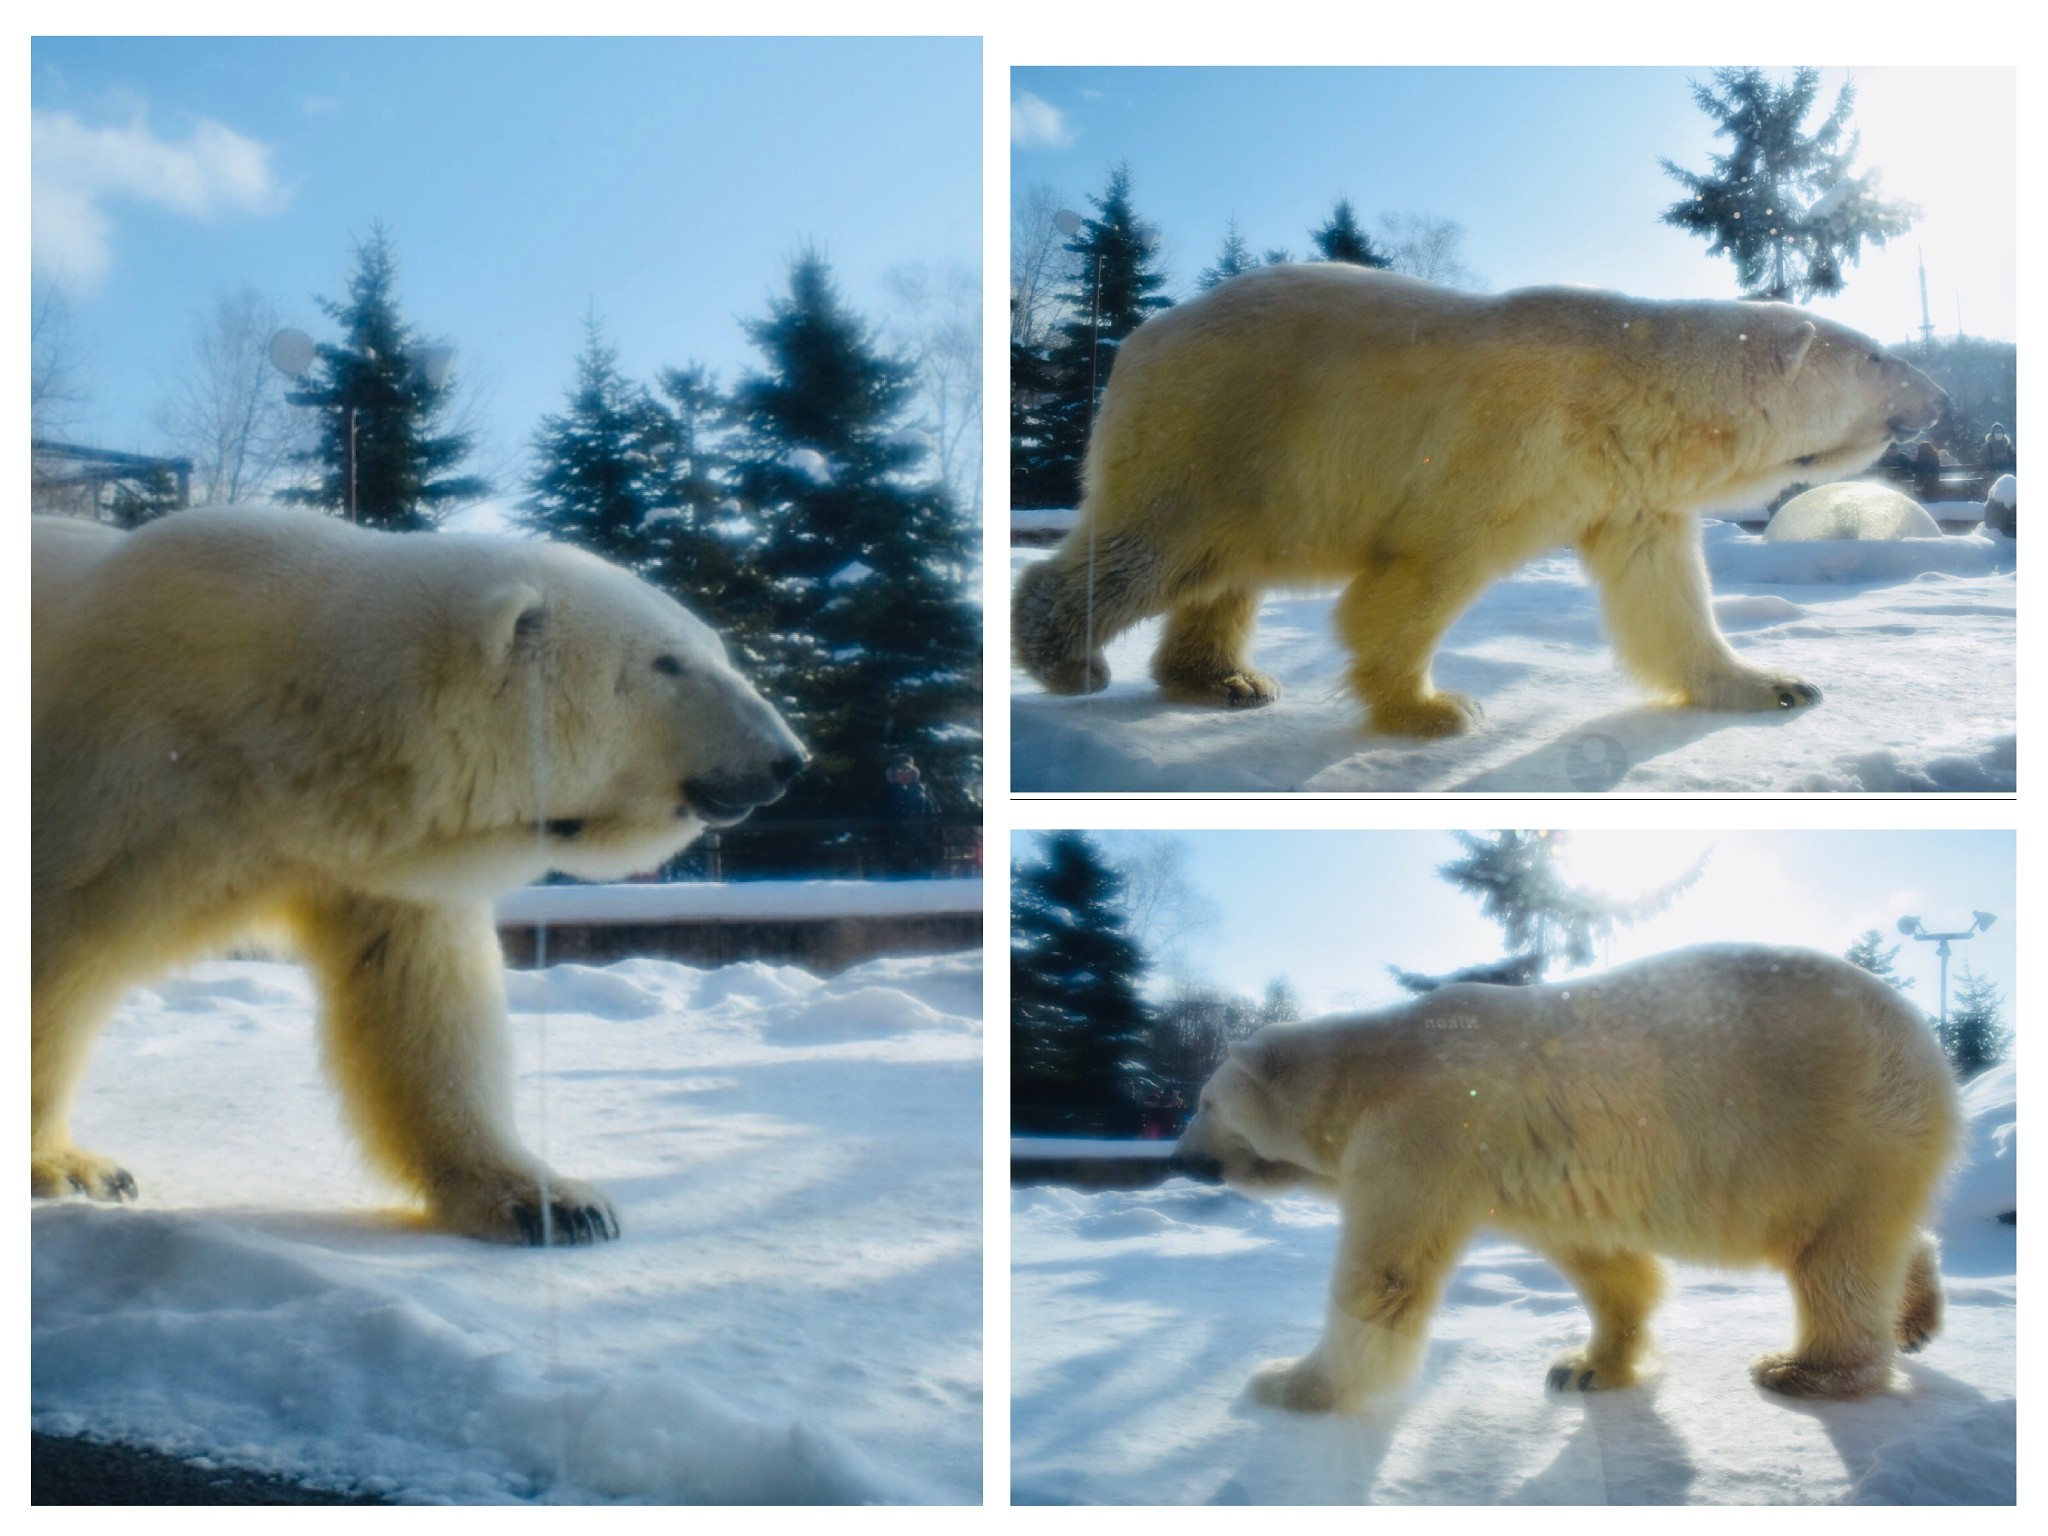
pixel 1852 509
pixel 1138 1316
pixel 792 1314
pixel 1738 558
pixel 2001 506
pixel 1911 641
pixel 1985 1192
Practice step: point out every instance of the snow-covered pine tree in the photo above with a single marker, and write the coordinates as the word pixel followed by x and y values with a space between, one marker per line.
pixel 602 468
pixel 1869 952
pixel 1343 238
pixel 401 461
pixel 1077 1021
pixel 1116 289
pixel 1544 919
pixel 1782 202
pixel 1976 1035
pixel 1235 257
pixel 870 633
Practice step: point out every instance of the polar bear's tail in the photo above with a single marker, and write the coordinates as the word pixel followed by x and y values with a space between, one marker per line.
pixel 1920 1312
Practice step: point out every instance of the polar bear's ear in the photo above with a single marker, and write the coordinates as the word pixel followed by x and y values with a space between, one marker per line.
pixel 1250 1057
pixel 512 616
pixel 1793 347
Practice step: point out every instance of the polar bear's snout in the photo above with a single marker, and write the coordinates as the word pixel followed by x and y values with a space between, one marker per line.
pixel 1199 1166
pixel 727 797
pixel 1921 404
pixel 755 773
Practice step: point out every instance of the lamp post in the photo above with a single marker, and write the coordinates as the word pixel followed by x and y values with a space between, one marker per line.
pixel 292 353
pixel 1911 927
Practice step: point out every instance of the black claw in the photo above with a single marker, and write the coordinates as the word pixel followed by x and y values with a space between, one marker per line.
pixel 1560 1378
pixel 1586 1381
pixel 528 1228
pixel 79 1184
pixel 122 1184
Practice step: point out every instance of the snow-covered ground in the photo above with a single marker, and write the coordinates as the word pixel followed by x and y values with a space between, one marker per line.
pixel 1138 1316
pixel 793 1312
pixel 1911 642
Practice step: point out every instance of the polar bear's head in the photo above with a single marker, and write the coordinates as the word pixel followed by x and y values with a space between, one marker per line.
pixel 615 727
pixel 1823 401
pixel 1248 1129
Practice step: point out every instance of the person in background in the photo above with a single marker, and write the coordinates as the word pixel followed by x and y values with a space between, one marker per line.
pixel 910 820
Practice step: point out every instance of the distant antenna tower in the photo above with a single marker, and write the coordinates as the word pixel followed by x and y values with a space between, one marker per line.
pixel 1926 320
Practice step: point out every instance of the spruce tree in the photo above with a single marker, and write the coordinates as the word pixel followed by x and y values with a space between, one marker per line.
pixel 371 384
pixel 871 636
pixel 602 467
pixel 1343 239
pixel 1869 952
pixel 1037 479
pixel 1077 1021
pixel 1976 1035
pixel 1116 289
pixel 1236 257
pixel 701 547
pixel 1544 919
pixel 1783 202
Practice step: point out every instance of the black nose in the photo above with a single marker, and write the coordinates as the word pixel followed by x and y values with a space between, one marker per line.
pixel 789 765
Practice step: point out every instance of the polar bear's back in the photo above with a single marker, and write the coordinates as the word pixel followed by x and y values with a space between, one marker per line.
pixel 1714 1103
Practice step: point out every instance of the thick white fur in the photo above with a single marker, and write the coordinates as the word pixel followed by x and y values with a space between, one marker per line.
pixel 264 721
pixel 1727 1104
pixel 1302 424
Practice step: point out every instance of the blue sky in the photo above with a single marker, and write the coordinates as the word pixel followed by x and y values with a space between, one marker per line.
pixel 1330 910
pixel 1553 172
pixel 665 181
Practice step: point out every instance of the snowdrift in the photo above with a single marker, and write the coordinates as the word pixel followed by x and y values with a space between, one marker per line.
pixel 793 1313
pixel 1911 641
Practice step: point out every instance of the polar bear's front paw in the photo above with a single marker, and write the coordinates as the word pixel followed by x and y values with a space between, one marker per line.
pixel 1242 688
pixel 73 1172
pixel 1755 691
pixel 1300 1386
pixel 514 1209
pixel 1577 1371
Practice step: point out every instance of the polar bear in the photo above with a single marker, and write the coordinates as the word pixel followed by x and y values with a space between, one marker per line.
pixel 1726 1104
pixel 1301 424
pixel 252 720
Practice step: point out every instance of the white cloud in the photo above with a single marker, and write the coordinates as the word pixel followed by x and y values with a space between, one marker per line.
pixel 1036 124
pixel 79 172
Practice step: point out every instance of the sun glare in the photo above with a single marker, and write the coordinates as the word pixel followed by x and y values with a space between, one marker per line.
pixel 1628 863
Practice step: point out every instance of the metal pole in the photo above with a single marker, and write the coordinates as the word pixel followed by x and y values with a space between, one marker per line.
pixel 351 412
pixel 1942 950
pixel 1094 336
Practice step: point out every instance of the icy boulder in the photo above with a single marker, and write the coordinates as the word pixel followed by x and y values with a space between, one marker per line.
pixel 1852 509
pixel 2001 506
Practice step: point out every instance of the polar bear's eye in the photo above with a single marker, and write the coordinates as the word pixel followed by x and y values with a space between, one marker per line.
pixel 668 666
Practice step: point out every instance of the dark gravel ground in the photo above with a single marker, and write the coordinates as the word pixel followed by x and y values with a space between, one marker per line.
pixel 63 1470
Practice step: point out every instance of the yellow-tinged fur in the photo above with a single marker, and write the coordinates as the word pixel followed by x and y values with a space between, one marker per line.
pixel 1309 423
pixel 1726 1104
pixel 250 720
